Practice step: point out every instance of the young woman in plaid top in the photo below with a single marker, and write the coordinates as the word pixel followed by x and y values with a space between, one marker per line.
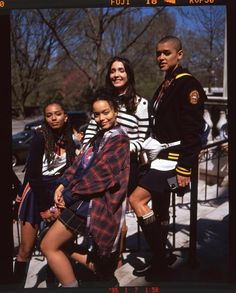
pixel 93 190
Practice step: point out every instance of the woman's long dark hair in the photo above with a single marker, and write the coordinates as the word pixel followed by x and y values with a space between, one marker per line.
pixel 62 138
pixel 130 95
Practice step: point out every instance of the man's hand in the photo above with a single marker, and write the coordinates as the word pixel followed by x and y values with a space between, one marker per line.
pixel 182 180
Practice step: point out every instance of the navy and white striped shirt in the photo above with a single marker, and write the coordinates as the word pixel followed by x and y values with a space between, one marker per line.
pixel 136 124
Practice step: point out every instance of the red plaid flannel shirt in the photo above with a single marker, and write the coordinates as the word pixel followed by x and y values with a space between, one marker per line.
pixel 105 183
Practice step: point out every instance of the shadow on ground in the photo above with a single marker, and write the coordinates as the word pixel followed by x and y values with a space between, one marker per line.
pixel 212 259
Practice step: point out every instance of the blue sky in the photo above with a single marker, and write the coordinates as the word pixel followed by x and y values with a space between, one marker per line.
pixel 189 10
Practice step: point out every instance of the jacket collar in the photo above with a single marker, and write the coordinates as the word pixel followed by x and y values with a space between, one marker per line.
pixel 179 69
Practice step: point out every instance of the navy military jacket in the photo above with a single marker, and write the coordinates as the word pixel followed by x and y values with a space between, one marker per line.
pixel 179 116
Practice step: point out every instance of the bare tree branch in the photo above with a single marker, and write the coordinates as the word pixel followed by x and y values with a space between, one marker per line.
pixel 63 46
pixel 142 31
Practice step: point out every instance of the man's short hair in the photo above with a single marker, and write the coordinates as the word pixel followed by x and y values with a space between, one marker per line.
pixel 175 40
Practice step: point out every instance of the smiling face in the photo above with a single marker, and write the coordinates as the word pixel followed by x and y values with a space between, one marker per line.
pixel 168 55
pixel 104 114
pixel 118 75
pixel 55 116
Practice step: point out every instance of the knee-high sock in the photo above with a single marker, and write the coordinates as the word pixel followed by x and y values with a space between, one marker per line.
pixel 153 234
pixel 20 273
pixel 71 285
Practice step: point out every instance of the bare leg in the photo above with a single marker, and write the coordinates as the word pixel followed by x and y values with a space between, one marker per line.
pixel 83 259
pixel 139 199
pixel 51 246
pixel 104 269
pixel 28 237
pixel 122 244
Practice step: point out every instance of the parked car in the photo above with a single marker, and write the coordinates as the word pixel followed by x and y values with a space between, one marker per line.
pixel 21 140
pixel 34 124
pixel 77 118
pixel 20 146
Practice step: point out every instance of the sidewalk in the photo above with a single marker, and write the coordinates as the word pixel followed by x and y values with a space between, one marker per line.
pixel 212 250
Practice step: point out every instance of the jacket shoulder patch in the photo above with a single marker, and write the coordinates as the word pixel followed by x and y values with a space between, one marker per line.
pixel 194 97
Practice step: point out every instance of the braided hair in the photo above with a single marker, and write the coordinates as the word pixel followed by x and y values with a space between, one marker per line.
pixel 58 139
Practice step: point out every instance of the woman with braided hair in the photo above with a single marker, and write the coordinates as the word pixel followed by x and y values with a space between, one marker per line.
pixel 52 151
